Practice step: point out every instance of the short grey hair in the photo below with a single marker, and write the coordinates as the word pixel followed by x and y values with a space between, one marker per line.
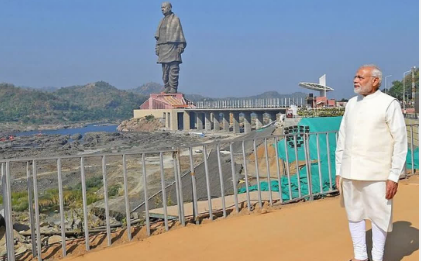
pixel 376 72
pixel 167 3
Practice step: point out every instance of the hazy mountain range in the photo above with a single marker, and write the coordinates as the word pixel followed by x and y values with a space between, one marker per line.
pixel 97 101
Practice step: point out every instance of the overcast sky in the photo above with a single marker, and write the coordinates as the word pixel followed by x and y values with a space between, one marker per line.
pixel 234 48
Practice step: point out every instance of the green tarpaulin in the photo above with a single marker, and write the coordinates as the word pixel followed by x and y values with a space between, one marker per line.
pixel 323 124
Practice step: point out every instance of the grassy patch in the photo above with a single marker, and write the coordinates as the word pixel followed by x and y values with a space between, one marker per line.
pixel 72 197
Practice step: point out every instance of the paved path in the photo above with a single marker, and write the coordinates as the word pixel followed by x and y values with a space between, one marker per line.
pixel 304 231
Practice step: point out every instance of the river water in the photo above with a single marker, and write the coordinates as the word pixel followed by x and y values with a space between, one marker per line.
pixel 71 131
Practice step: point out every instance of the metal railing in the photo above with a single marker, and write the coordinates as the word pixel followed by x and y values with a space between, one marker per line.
pixel 251 103
pixel 412 142
pixel 213 178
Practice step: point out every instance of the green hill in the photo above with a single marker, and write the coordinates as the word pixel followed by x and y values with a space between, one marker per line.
pixel 92 102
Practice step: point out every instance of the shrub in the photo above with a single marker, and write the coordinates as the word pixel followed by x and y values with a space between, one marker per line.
pixel 113 190
pixel 149 117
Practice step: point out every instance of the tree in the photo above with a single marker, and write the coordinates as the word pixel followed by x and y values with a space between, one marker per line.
pixel 396 90
pixel 397 86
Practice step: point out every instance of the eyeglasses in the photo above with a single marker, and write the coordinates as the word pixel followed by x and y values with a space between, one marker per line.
pixel 359 77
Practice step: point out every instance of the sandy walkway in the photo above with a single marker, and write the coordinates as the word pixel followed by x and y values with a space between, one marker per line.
pixel 305 231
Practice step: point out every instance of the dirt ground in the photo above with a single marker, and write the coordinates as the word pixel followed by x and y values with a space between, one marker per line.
pixel 304 231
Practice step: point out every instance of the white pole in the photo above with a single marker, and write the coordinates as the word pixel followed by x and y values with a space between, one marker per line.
pixel 404 88
pixel 385 83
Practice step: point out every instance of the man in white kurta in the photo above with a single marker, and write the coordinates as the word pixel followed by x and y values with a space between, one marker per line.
pixel 370 156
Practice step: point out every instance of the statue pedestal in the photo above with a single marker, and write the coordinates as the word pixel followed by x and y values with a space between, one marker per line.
pixel 166 101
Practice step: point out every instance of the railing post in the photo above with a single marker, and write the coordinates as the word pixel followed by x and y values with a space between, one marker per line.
pixel 8 211
pixel 31 208
pixel 268 172
pixel 164 194
pixel 246 176
pixel 412 151
pixel 180 186
pixel 37 220
pixel 328 161
pixel 205 159
pixel 233 176
pixel 126 199
pixel 256 164
pixel 145 193
pixel 193 182
pixel 319 164
pixel 278 169
pixel 84 202
pixel 308 165
pixel 221 180
pixel 107 210
pixel 60 189
pixel 297 169
pixel 177 187
pixel 286 166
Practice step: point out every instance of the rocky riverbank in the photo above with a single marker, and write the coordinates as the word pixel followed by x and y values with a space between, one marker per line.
pixel 59 145
pixel 11 128
pixel 41 146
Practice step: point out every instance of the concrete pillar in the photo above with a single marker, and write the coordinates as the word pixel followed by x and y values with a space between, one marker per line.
pixel 272 116
pixel 216 125
pixel 208 122
pixel 247 122
pixel 174 120
pixel 226 122
pixel 169 120
pixel 186 122
pixel 235 122
pixel 166 120
pixel 199 121
pixel 259 120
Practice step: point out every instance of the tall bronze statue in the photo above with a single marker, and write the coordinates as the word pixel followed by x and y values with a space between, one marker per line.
pixel 170 44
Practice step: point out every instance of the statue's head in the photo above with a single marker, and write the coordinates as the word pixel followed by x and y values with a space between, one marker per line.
pixel 166 8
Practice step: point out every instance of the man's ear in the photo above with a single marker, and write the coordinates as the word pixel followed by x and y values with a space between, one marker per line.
pixel 376 82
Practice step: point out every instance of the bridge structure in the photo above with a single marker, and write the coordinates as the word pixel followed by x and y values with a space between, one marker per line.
pixel 219 115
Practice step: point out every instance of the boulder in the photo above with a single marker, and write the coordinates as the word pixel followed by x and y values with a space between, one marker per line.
pixel 54 239
pixel 100 212
pixel 76 136
pixel 20 246
pixel 20 227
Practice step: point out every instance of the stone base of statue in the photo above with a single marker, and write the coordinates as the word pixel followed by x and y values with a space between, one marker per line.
pixel 166 101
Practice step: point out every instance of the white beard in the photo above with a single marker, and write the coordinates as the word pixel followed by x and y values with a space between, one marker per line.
pixel 361 90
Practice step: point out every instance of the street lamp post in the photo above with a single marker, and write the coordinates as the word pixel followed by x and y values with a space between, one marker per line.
pixel 413 85
pixel 385 83
pixel 404 88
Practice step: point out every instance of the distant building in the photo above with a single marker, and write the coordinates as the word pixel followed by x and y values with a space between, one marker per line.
pixel 341 104
pixel 322 101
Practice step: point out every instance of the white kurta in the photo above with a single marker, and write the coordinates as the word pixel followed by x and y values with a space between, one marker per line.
pixel 366 200
pixel 364 197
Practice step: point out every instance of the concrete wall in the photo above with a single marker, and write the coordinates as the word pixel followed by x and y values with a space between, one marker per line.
pixel 162 113
pixel 142 113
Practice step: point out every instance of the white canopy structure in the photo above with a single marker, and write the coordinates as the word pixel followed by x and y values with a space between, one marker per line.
pixel 321 86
